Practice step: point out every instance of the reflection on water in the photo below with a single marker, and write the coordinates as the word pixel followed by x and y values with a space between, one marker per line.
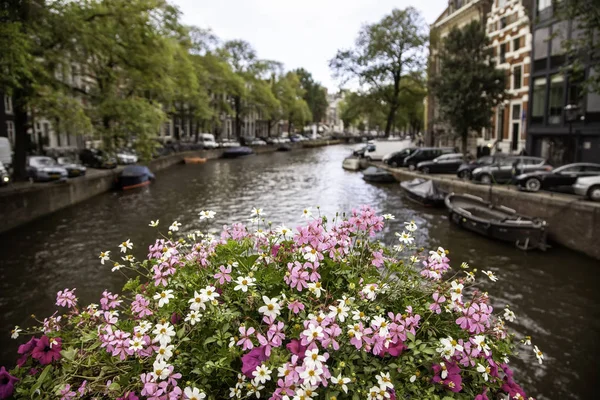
pixel 553 294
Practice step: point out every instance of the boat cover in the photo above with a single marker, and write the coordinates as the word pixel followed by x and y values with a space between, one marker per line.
pixel 134 171
pixel 426 189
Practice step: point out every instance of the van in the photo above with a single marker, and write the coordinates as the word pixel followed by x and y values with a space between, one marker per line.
pixel 426 154
pixel 384 147
pixel 5 152
pixel 208 141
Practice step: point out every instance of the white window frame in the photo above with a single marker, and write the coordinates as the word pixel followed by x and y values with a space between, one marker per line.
pixel 8 105
pixel 512 76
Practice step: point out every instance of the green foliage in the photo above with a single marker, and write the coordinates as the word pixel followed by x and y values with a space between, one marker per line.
pixel 384 54
pixel 314 95
pixel 469 86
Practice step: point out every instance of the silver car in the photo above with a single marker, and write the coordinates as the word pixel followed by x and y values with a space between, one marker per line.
pixel 588 187
pixel 42 169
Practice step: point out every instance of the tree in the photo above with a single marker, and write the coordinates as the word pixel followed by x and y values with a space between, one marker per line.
pixel 584 44
pixel 315 95
pixel 468 86
pixel 384 53
pixel 289 91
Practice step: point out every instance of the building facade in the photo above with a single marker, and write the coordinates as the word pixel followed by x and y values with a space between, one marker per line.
pixel 458 14
pixel 509 29
pixel 560 136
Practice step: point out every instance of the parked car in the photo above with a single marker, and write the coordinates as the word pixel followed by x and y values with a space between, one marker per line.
pixel 5 152
pixel 208 141
pixel 396 159
pixel 73 169
pixel 465 171
pixel 426 154
pixel 96 158
pixel 229 143
pixel 4 176
pixel 505 169
pixel 385 147
pixel 42 169
pixel 445 164
pixel 255 142
pixel 562 177
pixel 588 187
pixel 126 157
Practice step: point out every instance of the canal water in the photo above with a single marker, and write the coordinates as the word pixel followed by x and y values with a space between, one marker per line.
pixel 555 295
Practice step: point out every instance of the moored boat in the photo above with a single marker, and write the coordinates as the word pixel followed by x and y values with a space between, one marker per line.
pixel 194 160
pixel 424 192
pixel 284 147
pixel 351 163
pixel 378 175
pixel 235 152
pixel 497 221
pixel 134 176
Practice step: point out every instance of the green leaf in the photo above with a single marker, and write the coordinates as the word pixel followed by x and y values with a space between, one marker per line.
pixel 69 353
pixel 181 332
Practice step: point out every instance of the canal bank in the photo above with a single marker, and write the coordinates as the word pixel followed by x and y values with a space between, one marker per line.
pixel 572 221
pixel 23 203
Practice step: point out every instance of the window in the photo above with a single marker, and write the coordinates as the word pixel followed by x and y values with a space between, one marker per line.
pixel 10 131
pixel 503 53
pixel 516 112
pixel 516 44
pixel 543 4
pixel 517 76
pixel 539 100
pixel 559 32
pixel 8 108
pixel 502 23
pixel 593 99
pixel 556 103
pixel 540 43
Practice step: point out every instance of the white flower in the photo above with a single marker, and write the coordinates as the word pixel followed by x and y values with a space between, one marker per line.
pixel 358 315
pixel 491 275
pixel 193 317
pixel 456 291
pixel 197 302
pixel 164 353
pixel 126 245
pixel 340 311
pixel 207 214
pixel 257 211
pixel 14 334
pixel 143 327
pixel 405 238
pixel 413 378
pixel 448 347
pixel 243 282
pixel 341 382
pixel 470 276
pixel 414 259
pixel 315 288
pixel 370 291
pixel 160 370
pixel 193 393
pixel 260 233
pixel 235 392
pixel 153 224
pixel 313 332
pixel 164 297
pixel 209 293
pixel 306 213
pixel 254 388
pixel 509 315
pixel 283 231
pixel 538 354
pixel 164 333
pixel 262 374
pixel 271 308
pixel 481 345
pixel 104 256
pixel 380 323
pixel 485 371
pixel 311 375
pixel 310 254
pixel 174 226
pixel 388 216
pixel 136 344
pixel 527 341
pixel 410 226
pixel 312 358
pixel 384 381
pixel 116 267
pixel 130 257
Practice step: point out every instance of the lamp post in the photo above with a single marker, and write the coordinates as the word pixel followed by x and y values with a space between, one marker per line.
pixel 571 112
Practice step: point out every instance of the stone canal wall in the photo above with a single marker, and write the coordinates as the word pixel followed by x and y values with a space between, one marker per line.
pixel 23 202
pixel 572 221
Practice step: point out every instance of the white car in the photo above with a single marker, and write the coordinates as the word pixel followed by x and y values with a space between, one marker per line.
pixel 126 158
pixel 588 187
pixel 381 148
pixel 208 141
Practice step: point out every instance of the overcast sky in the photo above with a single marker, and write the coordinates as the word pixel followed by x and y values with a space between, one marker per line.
pixel 299 33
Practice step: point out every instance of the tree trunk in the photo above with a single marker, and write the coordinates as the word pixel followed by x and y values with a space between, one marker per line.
pixel 237 104
pixel 269 128
pixel 465 139
pixel 197 132
pixel 20 156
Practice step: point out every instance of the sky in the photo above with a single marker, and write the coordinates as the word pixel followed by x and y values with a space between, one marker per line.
pixel 305 33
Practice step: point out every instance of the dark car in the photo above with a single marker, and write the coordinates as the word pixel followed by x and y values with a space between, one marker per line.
pixel 445 164
pixel 426 154
pixel 465 171
pixel 74 169
pixel 506 169
pixel 562 177
pixel 97 159
pixel 42 169
pixel 396 159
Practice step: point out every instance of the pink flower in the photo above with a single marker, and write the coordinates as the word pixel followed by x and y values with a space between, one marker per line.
pixel 66 298
pixel 223 276
pixel 295 306
pixel 45 351
pixel 7 384
pixel 139 307
pixel 252 360
pixel 109 300
pixel 245 340
pixel 377 259
pixel 437 300
pixel 448 374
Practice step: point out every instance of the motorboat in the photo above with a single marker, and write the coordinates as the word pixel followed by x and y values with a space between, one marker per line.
pixel 424 192
pixel 194 160
pixel 284 147
pixel 497 221
pixel 236 152
pixel 351 163
pixel 378 175
pixel 134 176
